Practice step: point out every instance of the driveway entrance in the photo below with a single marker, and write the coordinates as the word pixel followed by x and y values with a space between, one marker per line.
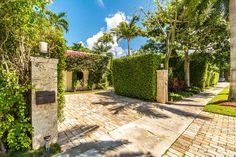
pixel 105 124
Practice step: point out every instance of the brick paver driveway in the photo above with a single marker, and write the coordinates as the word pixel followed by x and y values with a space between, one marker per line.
pixel 91 115
pixel 105 124
pixel 214 137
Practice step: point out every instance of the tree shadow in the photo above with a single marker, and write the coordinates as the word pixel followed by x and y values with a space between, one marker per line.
pixel 117 109
pixel 105 103
pixel 91 149
pixel 77 132
pixel 110 94
pixel 204 94
pixel 190 105
pixel 188 100
pixel 149 111
pixel 146 109
pixel 182 112
pixel 132 154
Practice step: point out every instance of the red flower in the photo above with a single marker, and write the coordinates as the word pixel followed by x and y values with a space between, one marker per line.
pixel 76 54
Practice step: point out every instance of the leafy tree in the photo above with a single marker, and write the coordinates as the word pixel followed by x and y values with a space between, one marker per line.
pixel 79 47
pixel 202 31
pixel 23 24
pixel 181 27
pixel 161 26
pixel 127 31
pixel 153 47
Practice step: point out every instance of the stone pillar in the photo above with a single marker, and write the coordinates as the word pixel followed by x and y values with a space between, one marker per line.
pixel 162 86
pixel 43 100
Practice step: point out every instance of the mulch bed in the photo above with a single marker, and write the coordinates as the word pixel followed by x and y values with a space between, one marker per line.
pixel 226 103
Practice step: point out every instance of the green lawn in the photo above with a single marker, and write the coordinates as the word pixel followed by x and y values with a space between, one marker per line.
pixel 177 96
pixel 225 110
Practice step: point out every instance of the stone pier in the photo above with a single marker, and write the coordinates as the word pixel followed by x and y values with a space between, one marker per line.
pixel 43 100
pixel 162 86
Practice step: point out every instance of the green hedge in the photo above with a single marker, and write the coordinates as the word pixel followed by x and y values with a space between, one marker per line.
pixel 97 65
pixel 136 76
pixel 176 64
pixel 198 73
pixel 203 73
pixel 214 78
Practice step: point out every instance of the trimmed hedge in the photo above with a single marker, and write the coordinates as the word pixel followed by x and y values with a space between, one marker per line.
pixel 198 73
pixel 202 73
pixel 176 64
pixel 214 78
pixel 135 76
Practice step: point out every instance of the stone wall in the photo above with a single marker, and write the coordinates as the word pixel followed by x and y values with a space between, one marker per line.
pixel 43 116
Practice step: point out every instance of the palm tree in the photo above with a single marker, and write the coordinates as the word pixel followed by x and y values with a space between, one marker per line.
pixel 100 48
pixel 232 19
pixel 103 44
pixel 106 39
pixel 79 47
pixel 128 31
pixel 59 21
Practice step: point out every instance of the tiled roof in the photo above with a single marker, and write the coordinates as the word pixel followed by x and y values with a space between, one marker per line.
pixel 76 53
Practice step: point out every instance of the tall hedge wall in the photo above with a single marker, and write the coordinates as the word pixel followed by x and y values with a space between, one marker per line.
pixel 176 64
pixel 136 76
pixel 202 73
pixel 198 73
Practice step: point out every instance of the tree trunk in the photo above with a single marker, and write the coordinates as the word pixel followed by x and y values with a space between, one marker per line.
pixel 186 69
pixel 129 53
pixel 232 13
pixel 168 53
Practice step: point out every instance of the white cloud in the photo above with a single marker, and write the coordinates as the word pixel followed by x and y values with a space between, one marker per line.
pixel 114 20
pixel 111 22
pixel 92 40
pixel 101 3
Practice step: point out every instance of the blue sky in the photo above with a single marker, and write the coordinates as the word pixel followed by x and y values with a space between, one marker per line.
pixel 89 18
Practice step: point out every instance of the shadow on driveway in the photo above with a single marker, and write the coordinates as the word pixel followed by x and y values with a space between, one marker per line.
pixel 91 149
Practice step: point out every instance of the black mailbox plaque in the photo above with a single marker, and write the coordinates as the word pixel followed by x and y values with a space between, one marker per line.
pixel 45 97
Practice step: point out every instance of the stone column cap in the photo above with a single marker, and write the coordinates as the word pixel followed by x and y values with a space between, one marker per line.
pixel 161 70
pixel 42 60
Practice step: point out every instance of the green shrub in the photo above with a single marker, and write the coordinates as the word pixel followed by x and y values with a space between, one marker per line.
pixel 203 72
pixel 209 78
pixel 198 72
pixel 214 78
pixel 194 90
pixel 15 126
pixel 175 96
pixel 176 64
pixel 58 52
pixel 41 152
pixel 136 76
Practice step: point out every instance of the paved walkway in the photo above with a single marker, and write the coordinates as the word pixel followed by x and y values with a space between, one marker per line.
pixel 215 137
pixel 105 124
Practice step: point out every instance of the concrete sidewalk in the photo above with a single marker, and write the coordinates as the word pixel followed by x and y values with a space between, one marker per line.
pixel 149 135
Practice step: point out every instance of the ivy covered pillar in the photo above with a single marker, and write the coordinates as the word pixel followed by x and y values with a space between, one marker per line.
pixel 44 101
